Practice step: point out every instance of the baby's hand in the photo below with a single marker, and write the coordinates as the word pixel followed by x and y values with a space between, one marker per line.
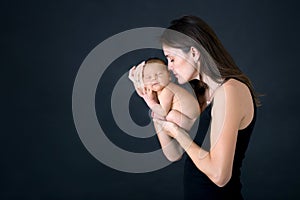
pixel 150 94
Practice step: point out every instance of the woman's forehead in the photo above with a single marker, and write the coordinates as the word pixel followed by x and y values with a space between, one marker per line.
pixel 170 51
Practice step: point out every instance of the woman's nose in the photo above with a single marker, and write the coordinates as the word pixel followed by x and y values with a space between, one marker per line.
pixel 170 66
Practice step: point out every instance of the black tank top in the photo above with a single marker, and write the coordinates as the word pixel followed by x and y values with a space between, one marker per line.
pixel 196 184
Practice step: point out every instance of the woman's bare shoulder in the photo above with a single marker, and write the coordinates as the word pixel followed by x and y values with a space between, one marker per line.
pixel 235 84
pixel 237 96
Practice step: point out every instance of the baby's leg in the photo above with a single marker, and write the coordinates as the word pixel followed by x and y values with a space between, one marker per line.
pixel 180 119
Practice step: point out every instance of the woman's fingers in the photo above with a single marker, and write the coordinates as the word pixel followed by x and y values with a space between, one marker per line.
pixel 148 92
pixel 156 116
pixel 141 91
pixel 139 74
pixel 131 73
pixel 141 65
pixel 158 125
pixel 170 127
pixel 136 76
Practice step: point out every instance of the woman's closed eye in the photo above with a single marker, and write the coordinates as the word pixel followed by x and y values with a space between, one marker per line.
pixel 170 59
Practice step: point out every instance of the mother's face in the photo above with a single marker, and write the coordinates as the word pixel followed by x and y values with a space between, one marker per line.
pixel 181 64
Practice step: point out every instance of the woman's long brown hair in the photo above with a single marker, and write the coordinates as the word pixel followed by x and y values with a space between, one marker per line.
pixel 195 32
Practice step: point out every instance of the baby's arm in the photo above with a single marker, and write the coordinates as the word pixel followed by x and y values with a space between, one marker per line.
pixel 165 99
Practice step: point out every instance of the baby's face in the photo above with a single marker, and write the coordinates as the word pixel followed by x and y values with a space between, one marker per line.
pixel 156 76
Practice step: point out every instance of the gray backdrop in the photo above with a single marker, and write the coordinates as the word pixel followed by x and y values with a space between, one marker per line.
pixel 43 45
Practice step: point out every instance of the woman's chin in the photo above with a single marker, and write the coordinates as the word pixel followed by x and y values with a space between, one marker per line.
pixel 181 81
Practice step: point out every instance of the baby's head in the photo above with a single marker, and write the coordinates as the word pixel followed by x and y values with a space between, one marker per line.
pixel 155 74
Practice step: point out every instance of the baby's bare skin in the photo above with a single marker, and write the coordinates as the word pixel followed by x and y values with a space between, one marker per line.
pixel 174 102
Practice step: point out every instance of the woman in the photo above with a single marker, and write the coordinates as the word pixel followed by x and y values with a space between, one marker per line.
pixel 228 111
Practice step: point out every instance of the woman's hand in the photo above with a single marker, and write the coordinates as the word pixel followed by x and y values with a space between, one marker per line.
pixel 157 116
pixel 168 127
pixel 136 76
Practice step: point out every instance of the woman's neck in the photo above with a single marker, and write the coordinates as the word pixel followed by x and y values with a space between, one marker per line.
pixel 212 87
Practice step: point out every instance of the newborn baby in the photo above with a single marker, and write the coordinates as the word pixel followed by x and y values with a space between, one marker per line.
pixel 165 98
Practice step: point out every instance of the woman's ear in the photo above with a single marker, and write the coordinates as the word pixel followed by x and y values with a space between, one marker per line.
pixel 195 54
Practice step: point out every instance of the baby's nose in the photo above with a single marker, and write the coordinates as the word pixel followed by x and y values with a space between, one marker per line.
pixel 154 77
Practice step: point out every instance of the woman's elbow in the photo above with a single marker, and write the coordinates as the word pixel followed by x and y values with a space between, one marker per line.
pixel 221 179
pixel 173 158
pixel 173 153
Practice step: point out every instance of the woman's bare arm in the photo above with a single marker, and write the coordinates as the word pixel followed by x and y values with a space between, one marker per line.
pixel 170 147
pixel 227 115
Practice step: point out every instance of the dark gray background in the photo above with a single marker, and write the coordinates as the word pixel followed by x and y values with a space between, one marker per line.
pixel 43 44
